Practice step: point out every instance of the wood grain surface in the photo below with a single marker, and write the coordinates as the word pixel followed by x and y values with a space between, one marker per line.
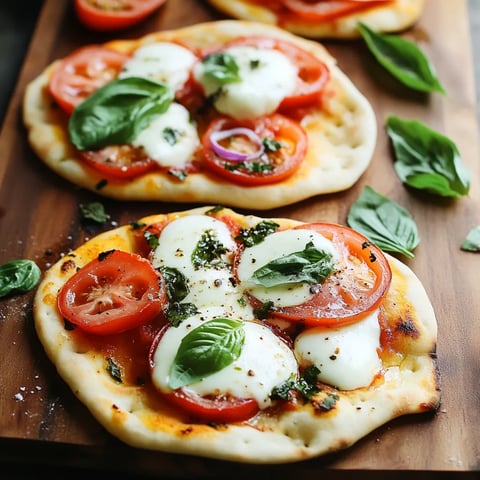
pixel 40 419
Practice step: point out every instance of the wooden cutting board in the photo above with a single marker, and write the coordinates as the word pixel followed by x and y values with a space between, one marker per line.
pixel 40 419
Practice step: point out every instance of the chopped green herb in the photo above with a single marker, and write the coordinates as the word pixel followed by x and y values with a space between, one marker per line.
pixel 171 135
pixel 94 211
pixel 271 145
pixel 178 312
pixel 208 252
pixel 114 370
pixel 221 67
pixel 252 236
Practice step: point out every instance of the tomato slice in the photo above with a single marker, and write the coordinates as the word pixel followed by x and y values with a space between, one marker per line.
pixel 356 288
pixel 110 15
pixel 313 74
pixel 113 293
pixel 119 161
pixel 216 409
pixel 82 73
pixel 322 11
pixel 270 167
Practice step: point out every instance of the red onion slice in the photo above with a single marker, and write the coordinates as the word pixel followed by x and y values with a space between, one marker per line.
pixel 223 152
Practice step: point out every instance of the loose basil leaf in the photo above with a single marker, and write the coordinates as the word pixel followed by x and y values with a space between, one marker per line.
pixel 403 59
pixel 384 222
pixel 222 67
pixel 426 159
pixel 310 265
pixel 206 350
pixel 18 276
pixel 472 240
pixel 117 112
pixel 94 211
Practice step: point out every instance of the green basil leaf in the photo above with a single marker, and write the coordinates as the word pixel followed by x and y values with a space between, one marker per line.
pixel 176 283
pixel 117 112
pixel 427 160
pixel 208 252
pixel 94 211
pixel 472 240
pixel 310 265
pixel 18 276
pixel 254 235
pixel 403 59
pixel 384 222
pixel 206 350
pixel 222 67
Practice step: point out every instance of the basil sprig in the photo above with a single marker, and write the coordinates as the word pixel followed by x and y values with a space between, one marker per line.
pixel 117 112
pixel 18 276
pixel 472 240
pixel 207 349
pixel 310 266
pixel 384 222
pixel 221 67
pixel 426 159
pixel 403 59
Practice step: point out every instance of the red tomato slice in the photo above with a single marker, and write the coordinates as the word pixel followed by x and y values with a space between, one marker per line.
pixel 322 11
pixel 82 73
pixel 313 74
pixel 119 161
pixel 113 293
pixel 110 15
pixel 270 167
pixel 355 289
pixel 216 409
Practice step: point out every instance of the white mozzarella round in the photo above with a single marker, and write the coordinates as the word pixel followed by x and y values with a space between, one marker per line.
pixel 171 138
pixel 264 363
pixel 164 62
pixel 266 78
pixel 276 245
pixel 347 357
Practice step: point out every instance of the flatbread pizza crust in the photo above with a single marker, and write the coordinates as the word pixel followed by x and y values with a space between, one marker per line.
pixel 394 17
pixel 140 418
pixel 341 136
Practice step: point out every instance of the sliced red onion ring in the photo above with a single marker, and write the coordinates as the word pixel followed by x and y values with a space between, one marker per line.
pixel 223 152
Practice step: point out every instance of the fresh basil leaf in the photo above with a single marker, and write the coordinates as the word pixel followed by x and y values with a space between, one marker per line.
pixel 117 112
pixel 178 312
pixel 208 251
pixel 472 240
pixel 206 350
pixel 94 211
pixel 426 159
pixel 18 276
pixel 384 222
pixel 176 283
pixel 403 59
pixel 310 265
pixel 222 67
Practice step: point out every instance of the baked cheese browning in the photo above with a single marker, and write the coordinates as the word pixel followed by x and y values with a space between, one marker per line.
pixel 174 159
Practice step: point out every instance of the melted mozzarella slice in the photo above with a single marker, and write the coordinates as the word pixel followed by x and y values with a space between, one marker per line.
pixel 276 245
pixel 266 78
pixel 264 363
pixel 208 286
pixel 164 62
pixel 347 357
pixel 170 139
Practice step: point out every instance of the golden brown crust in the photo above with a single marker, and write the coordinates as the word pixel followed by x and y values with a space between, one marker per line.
pixel 138 417
pixel 395 17
pixel 341 136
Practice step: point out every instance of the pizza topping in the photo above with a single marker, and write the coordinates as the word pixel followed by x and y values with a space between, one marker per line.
pixel 264 79
pixel 275 269
pixel 284 148
pixel 312 75
pixel 83 72
pixel 111 15
pixel 18 276
pixel 346 357
pixel 117 112
pixel 112 293
pixel 263 362
pixel 243 144
pixel 164 62
pixel 170 139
